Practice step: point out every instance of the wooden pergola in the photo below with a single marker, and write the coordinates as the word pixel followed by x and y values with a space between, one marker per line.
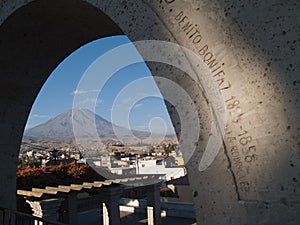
pixel 64 202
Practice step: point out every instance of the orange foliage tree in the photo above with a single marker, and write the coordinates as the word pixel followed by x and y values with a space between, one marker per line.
pixel 62 174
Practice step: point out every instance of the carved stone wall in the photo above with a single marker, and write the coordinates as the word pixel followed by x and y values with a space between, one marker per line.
pixel 252 52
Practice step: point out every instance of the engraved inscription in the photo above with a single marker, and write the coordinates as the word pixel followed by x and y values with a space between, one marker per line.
pixel 239 141
pixel 192 32
pixel 242 148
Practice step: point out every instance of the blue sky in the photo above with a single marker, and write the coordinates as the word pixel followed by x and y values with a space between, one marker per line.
pixel 57 94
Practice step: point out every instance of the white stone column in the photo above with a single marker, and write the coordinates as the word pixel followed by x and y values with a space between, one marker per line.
pixel 46 209
pixel 105 214
pixel 150 215
pixel 153 204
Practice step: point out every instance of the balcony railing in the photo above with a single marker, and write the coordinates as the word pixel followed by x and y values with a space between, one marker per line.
pixel 12 217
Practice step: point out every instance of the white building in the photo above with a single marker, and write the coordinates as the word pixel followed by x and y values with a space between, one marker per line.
pixel 161 166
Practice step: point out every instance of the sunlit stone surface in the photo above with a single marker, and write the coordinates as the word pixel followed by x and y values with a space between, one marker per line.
pixel 252 51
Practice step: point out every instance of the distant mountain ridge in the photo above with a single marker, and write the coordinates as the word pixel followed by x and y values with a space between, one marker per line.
pixel 61 126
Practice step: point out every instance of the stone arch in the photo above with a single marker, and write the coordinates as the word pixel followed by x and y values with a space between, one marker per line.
pixel 256 171
pixel 34 40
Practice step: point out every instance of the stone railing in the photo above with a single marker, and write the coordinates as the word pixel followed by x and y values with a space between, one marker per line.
pixel 12 217
pixel 174 209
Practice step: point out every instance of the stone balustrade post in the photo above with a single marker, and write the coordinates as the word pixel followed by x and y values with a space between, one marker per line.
pixel 46 209
pixel 153 204
pixel 111 208
pixel 72 208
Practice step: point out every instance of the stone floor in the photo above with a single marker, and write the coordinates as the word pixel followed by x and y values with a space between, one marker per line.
pixel 93 217
pixel 140 219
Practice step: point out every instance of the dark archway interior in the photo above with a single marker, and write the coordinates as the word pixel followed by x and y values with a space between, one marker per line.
pixel 33 41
